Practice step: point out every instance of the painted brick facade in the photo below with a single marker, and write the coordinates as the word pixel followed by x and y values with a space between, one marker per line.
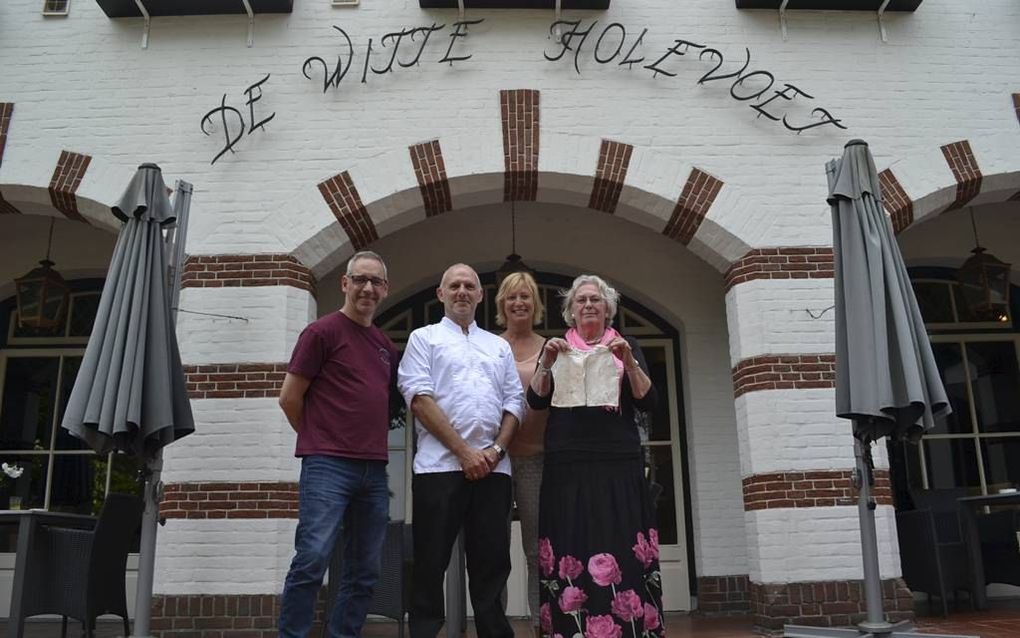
pixel 1016 105
pixel 792 262
pixel 226 271
pixel 235 380
pixel 611 172
pixel 221 616
pixel 965 169
pixel 896 202
pixel 825 604
pixel 826 488
pixel 519 111
pixel 430 170
pixel 67 177
pixel 696 198
pixel 345 202
pixel 724 595
pixel 784 372
pixel 230 500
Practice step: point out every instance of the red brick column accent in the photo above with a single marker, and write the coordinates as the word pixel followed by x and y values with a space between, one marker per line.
pixel 222 616
pixel 234 380
pixel 965 169
pixel 614 160
pixel 825 604
pixel 429 168
pixel 696 198
pixel 822 488
pixel 781 263
pixel 724 595
pixel 784 372
pixel 345 202
pixel 897 204
pixel 230 500
pixel 519 110
pixel 67 176
pixel 228 271
pixel 6 112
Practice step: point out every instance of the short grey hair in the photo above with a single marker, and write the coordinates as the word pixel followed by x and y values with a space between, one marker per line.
pixel 365 254
pixel 611 296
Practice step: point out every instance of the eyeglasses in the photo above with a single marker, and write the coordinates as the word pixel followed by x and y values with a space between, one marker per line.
pixel 593 300
pixel 361 280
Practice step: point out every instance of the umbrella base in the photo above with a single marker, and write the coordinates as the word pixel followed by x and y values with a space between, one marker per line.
pixel 903 629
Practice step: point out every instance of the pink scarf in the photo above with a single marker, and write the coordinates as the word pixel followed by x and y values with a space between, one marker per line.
pixel 576 341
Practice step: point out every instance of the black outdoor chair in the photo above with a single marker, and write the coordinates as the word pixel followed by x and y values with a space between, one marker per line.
pixel 390 597
pixel 79 573
pixel 933 556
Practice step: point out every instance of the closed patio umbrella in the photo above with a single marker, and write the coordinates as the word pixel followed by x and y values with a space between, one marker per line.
pixel 887 382
pixel 130 392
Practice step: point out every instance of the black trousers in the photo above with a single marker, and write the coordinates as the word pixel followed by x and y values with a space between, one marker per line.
pixel 443 503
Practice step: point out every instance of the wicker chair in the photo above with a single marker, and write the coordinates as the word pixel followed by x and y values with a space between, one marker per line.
pixel 933 555
pixel 79 573
pixel 390 597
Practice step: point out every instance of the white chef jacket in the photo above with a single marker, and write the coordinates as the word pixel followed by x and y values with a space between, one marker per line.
pixel 472 378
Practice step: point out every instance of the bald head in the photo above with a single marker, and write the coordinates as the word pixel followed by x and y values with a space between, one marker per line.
pixel 460 291
pixel 458 268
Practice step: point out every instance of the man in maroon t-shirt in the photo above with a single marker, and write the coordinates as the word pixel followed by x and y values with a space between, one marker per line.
pixel 336 396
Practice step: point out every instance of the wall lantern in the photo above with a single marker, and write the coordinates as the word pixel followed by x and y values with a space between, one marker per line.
pixel 42 294
pixel 513 262
pixel 984 281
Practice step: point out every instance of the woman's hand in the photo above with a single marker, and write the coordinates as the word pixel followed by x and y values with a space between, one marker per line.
pixel 552 350
pixel 620 348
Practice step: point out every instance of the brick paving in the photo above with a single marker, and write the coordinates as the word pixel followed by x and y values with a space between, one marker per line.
pixel 1001 622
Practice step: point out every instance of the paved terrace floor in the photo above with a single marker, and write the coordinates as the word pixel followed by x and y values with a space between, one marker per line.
pixel 1003 621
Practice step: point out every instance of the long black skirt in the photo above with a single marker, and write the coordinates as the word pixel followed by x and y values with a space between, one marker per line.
pixel 598 551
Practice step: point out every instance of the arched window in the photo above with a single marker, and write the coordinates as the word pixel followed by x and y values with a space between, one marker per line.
pixel 977 447
pixel 37 373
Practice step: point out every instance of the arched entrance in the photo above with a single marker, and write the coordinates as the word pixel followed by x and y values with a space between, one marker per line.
pixel 663 432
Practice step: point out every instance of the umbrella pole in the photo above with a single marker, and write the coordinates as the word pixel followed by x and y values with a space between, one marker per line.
pixel 865 480
pixel 147 550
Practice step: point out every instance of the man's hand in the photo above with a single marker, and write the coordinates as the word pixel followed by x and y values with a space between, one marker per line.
pixel 474 463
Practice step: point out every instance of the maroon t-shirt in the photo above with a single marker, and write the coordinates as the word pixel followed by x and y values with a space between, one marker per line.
pixel 352 369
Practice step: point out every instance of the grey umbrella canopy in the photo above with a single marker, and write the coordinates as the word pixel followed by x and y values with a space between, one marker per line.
pixel 130 392
pixel 886 377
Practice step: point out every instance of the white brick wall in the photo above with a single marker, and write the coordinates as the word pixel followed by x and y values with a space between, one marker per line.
pixel 780 316
pixel 248 556
pixel 235 441
pixel 795 430
pixel 816 543
pixel 272 317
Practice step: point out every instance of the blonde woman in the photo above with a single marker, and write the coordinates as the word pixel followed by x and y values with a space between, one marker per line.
pixel 519 309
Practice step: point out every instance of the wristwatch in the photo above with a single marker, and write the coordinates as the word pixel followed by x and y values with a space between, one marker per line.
pixel 500 452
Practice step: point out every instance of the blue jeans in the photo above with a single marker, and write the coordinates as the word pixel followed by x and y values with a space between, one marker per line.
pixel 330 488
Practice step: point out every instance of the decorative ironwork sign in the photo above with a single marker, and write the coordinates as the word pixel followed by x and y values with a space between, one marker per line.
pixel 254 93
pixel 746 84
pixel 783 103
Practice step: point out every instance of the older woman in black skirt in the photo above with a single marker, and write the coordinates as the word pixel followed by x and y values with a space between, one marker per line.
pixel 598 544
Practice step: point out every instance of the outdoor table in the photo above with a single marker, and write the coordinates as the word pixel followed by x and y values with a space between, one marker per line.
pixel 29 522
pixel 968 516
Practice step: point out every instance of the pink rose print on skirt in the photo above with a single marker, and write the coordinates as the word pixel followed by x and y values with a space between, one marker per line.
pixel 604 570
pixel 572 599
pixel 627 606
pixel 546 558
pixel 602 627
pixel 653 541
pixel 545 618
pixel 651 617
pixel 643 551
pixel 570 568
